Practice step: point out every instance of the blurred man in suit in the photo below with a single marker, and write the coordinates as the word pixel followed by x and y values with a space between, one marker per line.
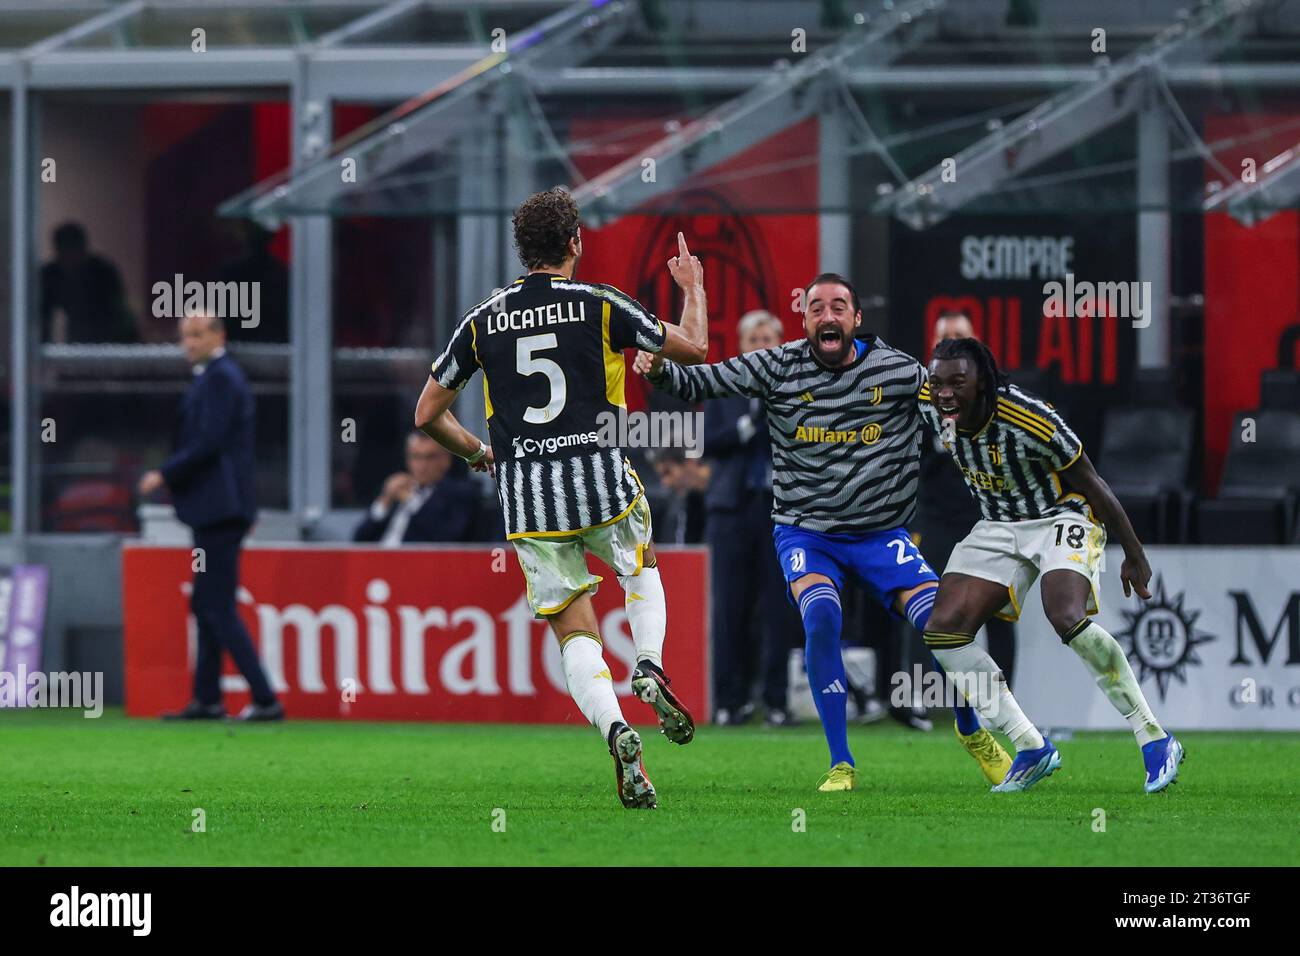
pixel 210 477
pixel 746 575
pixel 681 517
pixel 423 503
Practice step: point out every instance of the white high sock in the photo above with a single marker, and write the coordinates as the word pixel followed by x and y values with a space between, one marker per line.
pixel 980 680
pixel 590 684
pixel 1106 661
pixel 647 614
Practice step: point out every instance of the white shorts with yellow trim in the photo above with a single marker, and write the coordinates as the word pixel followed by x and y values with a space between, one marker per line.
pixel 555 566
pixel 1014 553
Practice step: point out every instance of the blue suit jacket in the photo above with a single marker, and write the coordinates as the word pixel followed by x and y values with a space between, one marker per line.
pixel 730 458
pixel 210 475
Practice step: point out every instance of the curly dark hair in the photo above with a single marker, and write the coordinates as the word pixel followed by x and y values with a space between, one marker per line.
pixel 992 379
pixel 544 223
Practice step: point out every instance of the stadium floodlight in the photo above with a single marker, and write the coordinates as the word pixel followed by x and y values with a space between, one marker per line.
pixel 1070 117
pixel 1276 188
pixel 428 122
pixel 786 97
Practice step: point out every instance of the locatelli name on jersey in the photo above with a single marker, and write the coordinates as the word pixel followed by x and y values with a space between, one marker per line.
pixel 551 351
pixel 553 313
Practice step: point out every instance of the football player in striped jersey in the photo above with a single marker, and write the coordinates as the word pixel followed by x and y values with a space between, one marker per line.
pixel 846 443
pixel 1046 511
pixel 551 351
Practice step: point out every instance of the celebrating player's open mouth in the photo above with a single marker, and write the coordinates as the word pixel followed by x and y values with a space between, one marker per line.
pixel 829 339
pixel 954 396
pixel 954 392
pixel 830 320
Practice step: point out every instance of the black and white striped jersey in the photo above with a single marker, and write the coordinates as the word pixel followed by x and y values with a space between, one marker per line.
pixel 1011 462
pixel 551 351
pixel 846 443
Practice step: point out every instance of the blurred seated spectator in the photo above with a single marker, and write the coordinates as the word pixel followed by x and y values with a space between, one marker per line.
pixel 92 505
pixel 96 497
pixel 82 295
pixel 682 520
pixel 424 503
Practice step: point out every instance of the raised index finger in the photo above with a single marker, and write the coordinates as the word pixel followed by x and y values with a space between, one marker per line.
pixel 682 251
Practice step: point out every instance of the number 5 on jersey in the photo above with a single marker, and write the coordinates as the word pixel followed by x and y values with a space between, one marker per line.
pixel 527 364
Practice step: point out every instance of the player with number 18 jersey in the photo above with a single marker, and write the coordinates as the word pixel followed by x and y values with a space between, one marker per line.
pixel 1046 512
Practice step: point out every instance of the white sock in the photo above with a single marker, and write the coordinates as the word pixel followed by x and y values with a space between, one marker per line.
pixel 980 680
pixel 590 684
pixel 647 614
pixel 1106 661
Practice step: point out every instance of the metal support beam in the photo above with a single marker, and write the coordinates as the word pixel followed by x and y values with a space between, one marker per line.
pixel 519 171
pixel 369 22
pixel 782 99
pixel 86 28
pixel 834 225
pixel 1153 234
pixel 312 425
pixel 478 251
pixel 22 224
pixel 1276 187
pixel 1065 119
pixel 427 123
pixel 644 81
pixel 169 69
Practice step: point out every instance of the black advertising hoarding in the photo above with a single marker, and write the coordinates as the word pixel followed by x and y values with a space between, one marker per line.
pixel 1001 271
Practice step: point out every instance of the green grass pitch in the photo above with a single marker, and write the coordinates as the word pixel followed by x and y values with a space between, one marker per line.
pixel 118 791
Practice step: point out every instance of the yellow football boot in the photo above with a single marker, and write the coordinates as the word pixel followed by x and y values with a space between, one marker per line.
pixel 840 777
pixel 988 753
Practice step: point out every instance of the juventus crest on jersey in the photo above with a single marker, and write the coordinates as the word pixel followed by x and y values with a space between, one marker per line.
pixel 551 351
pixel 1011 462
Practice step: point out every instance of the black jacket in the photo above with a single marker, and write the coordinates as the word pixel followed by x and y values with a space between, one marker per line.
pixel 211 474
pixel 730 458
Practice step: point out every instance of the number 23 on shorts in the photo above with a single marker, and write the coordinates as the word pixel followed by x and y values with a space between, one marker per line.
pixel 905 552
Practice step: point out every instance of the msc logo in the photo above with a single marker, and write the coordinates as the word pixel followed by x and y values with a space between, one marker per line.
pixel 868 435
pixel 1162 639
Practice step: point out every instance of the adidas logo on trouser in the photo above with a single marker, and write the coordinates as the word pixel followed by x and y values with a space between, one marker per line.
pixel 835 687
